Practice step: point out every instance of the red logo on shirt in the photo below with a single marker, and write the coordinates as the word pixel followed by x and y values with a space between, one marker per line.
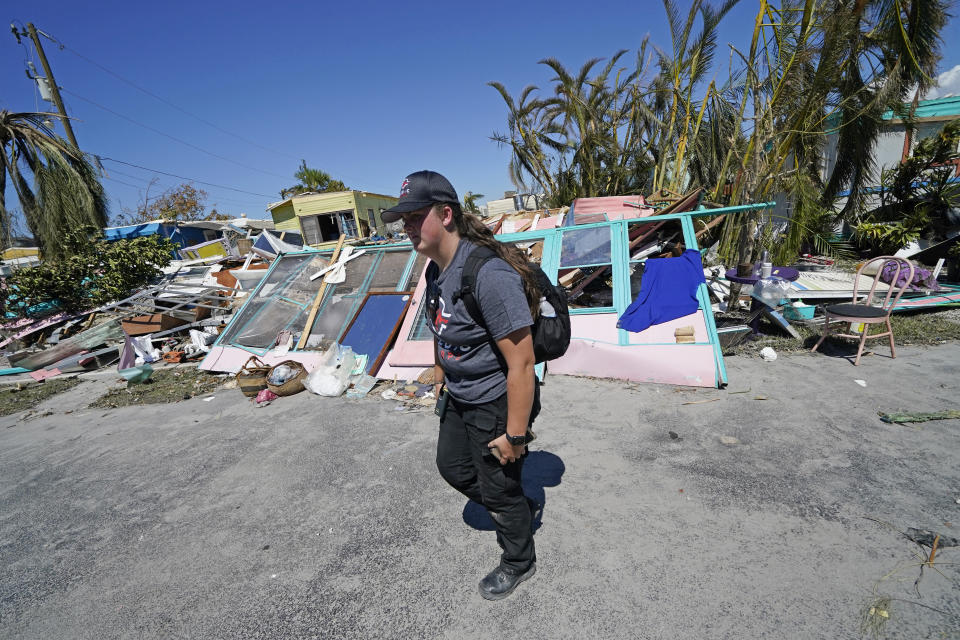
pixel 441 319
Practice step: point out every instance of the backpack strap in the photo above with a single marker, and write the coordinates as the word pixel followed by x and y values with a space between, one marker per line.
pixel 478 257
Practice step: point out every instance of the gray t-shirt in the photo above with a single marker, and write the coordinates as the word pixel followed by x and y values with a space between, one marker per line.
pixel 470 365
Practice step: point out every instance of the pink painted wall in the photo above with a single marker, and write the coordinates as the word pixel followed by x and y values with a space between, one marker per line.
pixel 407 353
pixel 594 351
pixel 682 364
pixel 660 333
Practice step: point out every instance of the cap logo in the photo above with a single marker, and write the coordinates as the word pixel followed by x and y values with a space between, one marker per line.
pixel 405 188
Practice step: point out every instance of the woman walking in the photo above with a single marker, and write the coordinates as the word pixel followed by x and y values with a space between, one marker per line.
pixel 484 374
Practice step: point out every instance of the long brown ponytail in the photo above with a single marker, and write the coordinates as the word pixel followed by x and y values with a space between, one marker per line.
pixel 470 227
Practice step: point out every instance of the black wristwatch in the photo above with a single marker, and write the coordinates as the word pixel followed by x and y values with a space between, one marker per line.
pixel 516 440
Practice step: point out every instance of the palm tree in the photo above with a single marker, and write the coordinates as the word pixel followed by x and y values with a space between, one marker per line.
pixel 812 65
pixel 818 65
pixel 57 187
pixel 470 202
pixel 313 180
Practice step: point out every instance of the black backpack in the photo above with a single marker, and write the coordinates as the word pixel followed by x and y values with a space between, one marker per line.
pixel 551 332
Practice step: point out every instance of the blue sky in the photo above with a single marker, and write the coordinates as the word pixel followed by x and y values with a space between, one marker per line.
pixel 367 91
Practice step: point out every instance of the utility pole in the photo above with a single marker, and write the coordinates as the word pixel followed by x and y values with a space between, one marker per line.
pixel 54 90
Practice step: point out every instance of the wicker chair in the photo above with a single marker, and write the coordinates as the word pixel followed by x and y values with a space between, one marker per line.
pixel 866 309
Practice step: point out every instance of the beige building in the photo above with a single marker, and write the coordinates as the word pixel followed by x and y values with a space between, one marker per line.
pixel 323 217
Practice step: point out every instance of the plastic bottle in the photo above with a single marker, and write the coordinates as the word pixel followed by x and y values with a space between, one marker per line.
pixel 766 267
pixel 546 309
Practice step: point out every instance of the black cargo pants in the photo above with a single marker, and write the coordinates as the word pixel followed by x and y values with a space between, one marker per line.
pixel 465 462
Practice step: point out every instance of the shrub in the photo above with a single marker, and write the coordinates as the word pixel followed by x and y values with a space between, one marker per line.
pixel 92 273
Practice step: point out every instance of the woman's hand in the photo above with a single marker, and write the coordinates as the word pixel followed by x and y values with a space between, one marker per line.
pixel 504 451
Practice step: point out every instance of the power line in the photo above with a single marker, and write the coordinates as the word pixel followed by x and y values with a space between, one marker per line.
pixel 174 175
pixel 122 182
pixel 163 100
pixel 165 186
pixel 167 135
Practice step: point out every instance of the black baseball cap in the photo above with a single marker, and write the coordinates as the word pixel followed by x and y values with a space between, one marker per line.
pixel 419 190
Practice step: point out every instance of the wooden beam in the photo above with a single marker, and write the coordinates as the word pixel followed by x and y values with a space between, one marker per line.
pixel 308 326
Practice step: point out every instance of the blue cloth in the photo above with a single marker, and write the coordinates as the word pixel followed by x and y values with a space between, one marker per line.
pixel 668 290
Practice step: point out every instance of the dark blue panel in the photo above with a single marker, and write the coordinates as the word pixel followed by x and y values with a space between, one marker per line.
pixel 375 325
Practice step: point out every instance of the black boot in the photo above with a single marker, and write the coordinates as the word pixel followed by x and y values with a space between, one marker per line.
pixel 501 582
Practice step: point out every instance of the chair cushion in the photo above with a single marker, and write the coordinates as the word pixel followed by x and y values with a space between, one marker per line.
pixel 856 310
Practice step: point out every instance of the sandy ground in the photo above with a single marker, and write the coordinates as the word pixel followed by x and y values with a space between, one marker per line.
pixel 325 518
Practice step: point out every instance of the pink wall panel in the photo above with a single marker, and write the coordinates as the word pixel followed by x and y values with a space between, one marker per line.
pixel 685 364
pixel 595 326
pixel 660 333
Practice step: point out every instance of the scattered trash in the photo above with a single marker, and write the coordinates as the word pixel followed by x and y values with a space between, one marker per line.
pixel 252 377
pixel 862 383
pixel 900 418
pixel 874 618
pixel 332 379
pixel 137 374
pixel 173 357
pixel 362 386
pixel 143 347
pixel 42 374
pixel 926 538
pixel 388 394
pixel 280 374
pixel 286 378
pixel 202 339
pixel 729 440
pixel 674 436
pixel 209 398
pixel 265 397
pixel 701 401
pixel 771 290
pixel 768 354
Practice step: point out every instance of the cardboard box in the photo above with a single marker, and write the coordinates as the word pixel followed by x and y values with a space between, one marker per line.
pixel 142 325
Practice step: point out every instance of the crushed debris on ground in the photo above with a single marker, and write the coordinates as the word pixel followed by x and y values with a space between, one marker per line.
pixel 921 328
pixel 166 385
pixel 23 396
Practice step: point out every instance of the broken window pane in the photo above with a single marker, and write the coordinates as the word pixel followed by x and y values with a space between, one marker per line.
pixel 356 273
pixel 585 247
pixel 332 317
pixel 420 329
pixel 588 287
pixel 534 250
pixel 636 276
pixel 416 271
pixel 654 241
pixel 390 269
pixel 285 267
pixel 341 299
pixel 285 292
pixel 275 316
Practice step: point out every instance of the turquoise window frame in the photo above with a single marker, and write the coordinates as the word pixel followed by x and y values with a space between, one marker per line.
pixel 401 285
pixel 256 292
